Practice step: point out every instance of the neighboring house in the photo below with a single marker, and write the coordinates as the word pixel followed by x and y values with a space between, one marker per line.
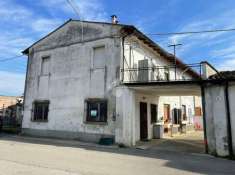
pixel 10 106
pixel 11 111
pixel 75 84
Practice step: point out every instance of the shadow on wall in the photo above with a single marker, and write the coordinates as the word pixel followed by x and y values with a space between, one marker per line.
pixel 195 163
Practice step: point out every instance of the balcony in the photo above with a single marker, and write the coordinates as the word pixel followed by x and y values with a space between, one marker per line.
pixel 171 73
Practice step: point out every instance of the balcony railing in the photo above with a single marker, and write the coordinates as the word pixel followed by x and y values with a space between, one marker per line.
pixel 190 72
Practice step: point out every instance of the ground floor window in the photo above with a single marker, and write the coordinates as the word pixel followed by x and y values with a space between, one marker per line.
pixel 153 113
pixel 96 110
pixel 40 111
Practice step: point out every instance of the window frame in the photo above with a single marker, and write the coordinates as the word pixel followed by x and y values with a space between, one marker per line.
pixel 43 58
pixel 45 105
pixel 98 102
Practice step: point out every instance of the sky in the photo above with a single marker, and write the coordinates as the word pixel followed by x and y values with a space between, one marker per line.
pixel 25 21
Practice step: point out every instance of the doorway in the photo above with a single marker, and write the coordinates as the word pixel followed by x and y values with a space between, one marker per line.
pixel 143 121
pixel 166 117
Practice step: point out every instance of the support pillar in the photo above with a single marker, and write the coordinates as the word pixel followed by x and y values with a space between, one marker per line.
pixel 125 120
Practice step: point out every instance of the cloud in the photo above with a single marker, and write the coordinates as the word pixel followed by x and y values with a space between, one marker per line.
pixel 92 10
pixel 11 83
pixel 228 64
pixel 228 52
pixel 45 25
pixel 13 12
pixel 87 9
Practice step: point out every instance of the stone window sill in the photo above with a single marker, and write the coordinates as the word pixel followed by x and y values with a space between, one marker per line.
pixel 39 121
pixel 96 123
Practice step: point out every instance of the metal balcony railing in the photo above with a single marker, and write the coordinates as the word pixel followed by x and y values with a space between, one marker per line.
pixel 189 72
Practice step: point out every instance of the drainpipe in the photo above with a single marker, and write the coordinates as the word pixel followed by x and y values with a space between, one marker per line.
pixel 204 117
pixel 123 55
pixel 229 128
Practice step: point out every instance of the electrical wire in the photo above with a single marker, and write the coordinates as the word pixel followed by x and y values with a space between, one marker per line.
pixel 11 58
pixel 192 32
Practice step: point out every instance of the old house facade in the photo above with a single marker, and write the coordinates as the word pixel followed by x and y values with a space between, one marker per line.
pixel 75 84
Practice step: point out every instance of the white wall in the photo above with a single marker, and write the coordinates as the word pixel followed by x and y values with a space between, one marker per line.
pixel 136 50
pixel 177 102
pixel 125 116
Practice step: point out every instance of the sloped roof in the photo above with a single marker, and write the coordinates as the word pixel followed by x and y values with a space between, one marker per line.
pixel 127 30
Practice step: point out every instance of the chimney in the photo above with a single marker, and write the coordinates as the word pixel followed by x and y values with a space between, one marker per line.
pixel 114 19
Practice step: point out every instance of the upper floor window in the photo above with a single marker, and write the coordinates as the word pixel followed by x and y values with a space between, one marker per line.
pixel 99 57
pixel 45 66
pixel 40 111
pixel 96 110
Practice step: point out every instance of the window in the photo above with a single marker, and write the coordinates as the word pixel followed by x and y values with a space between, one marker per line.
pixel 96 110
pixel 45 65
pixel 40 111
pixel 153 113
pixel 99 57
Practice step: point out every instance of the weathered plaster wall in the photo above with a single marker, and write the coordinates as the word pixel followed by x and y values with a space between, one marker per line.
pixel 125 112
pixel 72 79
pixel 232 110
pixel 216 120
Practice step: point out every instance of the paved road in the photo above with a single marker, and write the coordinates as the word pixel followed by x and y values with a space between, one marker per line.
pixel 26 156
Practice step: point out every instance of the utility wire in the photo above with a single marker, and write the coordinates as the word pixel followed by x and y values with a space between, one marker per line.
pixel 193 32
pixel 11 58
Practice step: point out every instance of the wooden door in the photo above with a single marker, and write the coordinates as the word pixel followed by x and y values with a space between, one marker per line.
pixel 166 113
pixel 143 121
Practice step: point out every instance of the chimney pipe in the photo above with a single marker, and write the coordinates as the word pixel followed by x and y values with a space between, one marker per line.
pixel 114 19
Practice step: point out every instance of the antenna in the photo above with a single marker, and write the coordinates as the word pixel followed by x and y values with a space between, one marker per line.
pixel 75 8
pixel 174 46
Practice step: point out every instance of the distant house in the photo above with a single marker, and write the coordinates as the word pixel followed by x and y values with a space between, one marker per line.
pixel 11 108
pixel 75 85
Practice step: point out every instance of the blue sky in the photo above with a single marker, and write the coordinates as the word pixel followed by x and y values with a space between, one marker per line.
pixel 24 22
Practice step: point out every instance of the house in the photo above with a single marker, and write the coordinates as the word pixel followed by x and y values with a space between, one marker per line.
pixel 79 84
pixel 11 108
